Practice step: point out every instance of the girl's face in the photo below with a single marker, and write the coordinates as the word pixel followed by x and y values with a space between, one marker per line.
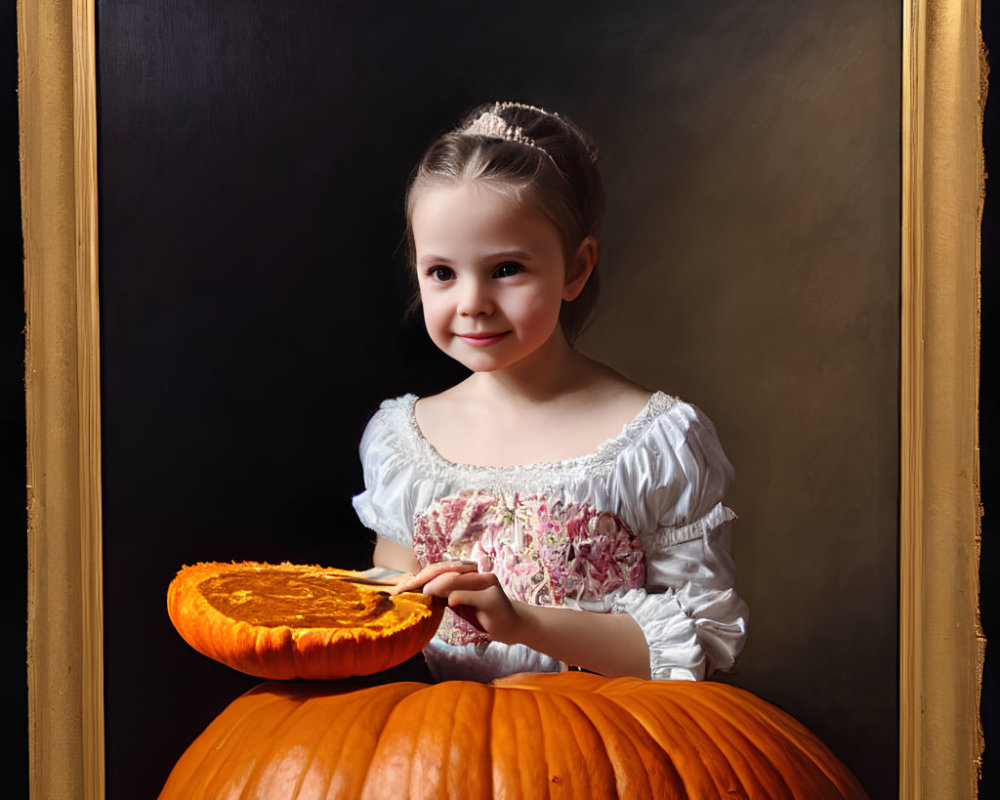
pixel 491 272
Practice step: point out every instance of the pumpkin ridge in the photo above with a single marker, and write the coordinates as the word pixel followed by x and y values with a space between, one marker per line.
pixel 515 717
pixel 712 751
pixel 694 772
pixel 452 697
pixel 365 720
pixel 367 713
pixel 360 698
pixel 552 682
pixel 578 690
pixel 234 745
pixel 311 745
pixel 596 771
pixel 205 742
pixel 624 747
pixel 819 754
pixel 809 758
pixel 550 758
pixel 769 778
pixel 538 699
pixel 261 766
pixel 483 701
pixel 305 772
pixel 420 699
pixel 614 741
pixel 214 785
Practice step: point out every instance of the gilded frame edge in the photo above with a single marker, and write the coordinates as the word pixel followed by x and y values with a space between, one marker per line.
pixel 941 645
pixel 57 105
pixel 941 203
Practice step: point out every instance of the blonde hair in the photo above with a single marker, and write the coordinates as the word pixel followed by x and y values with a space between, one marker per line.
pixel 531 154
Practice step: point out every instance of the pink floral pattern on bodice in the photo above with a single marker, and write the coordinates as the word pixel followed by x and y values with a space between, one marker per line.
pixel 543 552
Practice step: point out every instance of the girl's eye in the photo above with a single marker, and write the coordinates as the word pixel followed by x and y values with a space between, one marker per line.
pixel 508 269
pixel 441 274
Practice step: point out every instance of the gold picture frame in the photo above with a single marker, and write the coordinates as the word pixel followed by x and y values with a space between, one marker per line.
pixel 940 643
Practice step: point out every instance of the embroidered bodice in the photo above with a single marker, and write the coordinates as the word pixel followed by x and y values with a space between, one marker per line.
pixel 637 526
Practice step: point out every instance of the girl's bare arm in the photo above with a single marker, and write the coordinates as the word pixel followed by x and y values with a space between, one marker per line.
pixel 611 644
pixel 394 556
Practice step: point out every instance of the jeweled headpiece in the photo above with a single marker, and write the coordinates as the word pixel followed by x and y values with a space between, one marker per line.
pixel 492 126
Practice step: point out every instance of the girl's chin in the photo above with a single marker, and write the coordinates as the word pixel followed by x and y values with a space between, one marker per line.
pixel 481 365
pixel 499 355
pixel 481 362
pixel 486 362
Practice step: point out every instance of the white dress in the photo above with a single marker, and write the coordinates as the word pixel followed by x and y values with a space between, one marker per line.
pixel 636 527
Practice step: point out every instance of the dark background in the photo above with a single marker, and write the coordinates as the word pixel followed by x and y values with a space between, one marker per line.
pixel 234 440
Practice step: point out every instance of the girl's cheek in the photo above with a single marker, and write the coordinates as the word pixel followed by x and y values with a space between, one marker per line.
pixel 433 305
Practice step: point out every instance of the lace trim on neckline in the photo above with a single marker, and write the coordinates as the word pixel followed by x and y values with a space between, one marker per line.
pixel 604 454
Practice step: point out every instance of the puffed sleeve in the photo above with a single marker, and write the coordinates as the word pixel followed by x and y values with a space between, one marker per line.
pixel 386 504
pixel 692 618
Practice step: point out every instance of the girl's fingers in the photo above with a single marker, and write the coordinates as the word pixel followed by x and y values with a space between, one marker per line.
pixel 475 596
pixel 448 583
pixel 402 577
pixel 470 598
pixel 409 582
pixel 468 613
pixel 404 583
pixel 488 609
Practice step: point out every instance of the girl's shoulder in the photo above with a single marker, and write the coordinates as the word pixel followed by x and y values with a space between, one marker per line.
pixel 396 410
pixel 391 422
pixel 667 430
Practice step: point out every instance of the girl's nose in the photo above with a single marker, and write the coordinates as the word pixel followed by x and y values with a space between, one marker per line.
pixel 475 300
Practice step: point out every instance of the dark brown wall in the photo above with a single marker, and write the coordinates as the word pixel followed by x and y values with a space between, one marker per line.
pixel 252 159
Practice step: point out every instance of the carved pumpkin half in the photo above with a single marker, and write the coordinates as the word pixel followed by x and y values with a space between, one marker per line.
pixel 569 735
pixel 284 621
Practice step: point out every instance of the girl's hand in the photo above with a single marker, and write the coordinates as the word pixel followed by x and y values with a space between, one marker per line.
pixel 415 582
pixel 479 598
pixel 611 644
pixel 475 596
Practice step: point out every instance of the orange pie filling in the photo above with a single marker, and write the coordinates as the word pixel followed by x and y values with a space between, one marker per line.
pixel 306 599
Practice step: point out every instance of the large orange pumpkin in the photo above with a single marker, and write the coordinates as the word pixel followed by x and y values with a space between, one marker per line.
pixel 571 735
pixel 283 621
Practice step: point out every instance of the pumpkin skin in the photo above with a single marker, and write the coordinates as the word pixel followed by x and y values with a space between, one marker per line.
pixel 283 621
pixel 569 735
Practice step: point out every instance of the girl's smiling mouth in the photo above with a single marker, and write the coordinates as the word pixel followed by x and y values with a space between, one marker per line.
pixel 481 339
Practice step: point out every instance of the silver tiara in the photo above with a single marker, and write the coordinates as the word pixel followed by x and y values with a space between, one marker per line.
pixel 492 126
pixel 592 152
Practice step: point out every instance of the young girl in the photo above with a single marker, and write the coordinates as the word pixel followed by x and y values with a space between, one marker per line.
pixel 570 517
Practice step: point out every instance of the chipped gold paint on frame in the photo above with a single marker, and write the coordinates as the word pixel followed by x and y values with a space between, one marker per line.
pixel 941 194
